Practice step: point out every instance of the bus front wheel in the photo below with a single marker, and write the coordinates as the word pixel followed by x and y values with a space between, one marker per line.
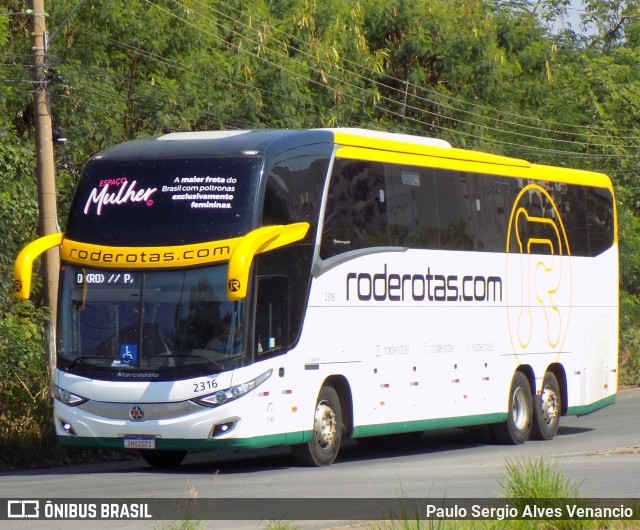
pixel 323 447
pixel 517 428
pixel 547 409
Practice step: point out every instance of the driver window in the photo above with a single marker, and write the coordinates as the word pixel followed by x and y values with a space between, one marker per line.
pixel 272 315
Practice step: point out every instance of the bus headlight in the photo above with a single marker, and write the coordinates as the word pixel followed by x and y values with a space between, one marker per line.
pixel 224 396
pixel 67 397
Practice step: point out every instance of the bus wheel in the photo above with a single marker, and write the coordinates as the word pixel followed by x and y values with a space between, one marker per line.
pixel 520 414
pixel 327 432
pixel 547 409
pixel 163 459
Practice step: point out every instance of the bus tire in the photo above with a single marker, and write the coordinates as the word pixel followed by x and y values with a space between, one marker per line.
pixel 517 428
pixel 547 409
pixel 163 459
pixel 324 445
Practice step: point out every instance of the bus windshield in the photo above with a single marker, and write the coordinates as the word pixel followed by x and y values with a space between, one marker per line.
pixel 134 325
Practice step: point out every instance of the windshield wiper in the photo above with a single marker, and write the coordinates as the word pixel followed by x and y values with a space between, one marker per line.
pixel 218 366
pixel 83 360
pixel 183 360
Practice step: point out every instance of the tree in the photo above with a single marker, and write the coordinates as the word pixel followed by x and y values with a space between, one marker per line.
pixel 478 73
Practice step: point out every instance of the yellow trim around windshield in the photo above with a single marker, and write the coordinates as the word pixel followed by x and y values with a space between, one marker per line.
pixel 92 255
pixel 23 266
pixel 259 240
pixel 240 252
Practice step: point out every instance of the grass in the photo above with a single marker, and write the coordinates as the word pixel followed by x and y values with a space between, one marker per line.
pixel 279 525
pixel 526 483
pixel 537 480
pixel 186 523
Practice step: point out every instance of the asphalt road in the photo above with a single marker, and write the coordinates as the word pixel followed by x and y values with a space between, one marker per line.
pixel 598 453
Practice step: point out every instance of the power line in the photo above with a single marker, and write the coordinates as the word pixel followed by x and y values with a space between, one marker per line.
pixel 434 93
pixel 413 108
pixel 364 95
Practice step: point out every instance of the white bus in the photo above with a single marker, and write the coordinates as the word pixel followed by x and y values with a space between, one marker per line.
pixel 262 288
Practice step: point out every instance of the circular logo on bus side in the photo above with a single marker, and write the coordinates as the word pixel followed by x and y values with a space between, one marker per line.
pixel 538 274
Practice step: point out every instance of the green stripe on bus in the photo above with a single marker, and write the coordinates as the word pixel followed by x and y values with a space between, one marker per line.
pixel 428 425
pixel 581 410
pixel 182 444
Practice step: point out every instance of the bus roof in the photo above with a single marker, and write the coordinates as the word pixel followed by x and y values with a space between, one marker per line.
pixel 213 144
pixel 418 145
pixel 257 141
pixel 262 142
pixel 361 139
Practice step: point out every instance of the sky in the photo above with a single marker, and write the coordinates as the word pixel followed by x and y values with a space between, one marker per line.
pixel 574 12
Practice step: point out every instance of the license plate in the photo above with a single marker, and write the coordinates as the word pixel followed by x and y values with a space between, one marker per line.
pixel 139 442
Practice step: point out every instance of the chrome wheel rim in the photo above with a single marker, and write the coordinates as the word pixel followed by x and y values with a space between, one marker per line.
pixel 325 424
pixel 519 409
pixel 550 404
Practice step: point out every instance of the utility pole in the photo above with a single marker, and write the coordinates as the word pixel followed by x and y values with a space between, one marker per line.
pixel 45 169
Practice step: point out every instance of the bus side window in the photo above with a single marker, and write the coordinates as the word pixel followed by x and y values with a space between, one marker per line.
pixel 435 208
pixel 272 315
pixel 571 202
pixel 293 191
pixel 455 192
pixel 600 220
pixel 356 211
pixel 497 195
pixel 413 214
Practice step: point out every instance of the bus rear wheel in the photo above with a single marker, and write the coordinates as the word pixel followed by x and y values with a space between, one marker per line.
pixel 547 409
pixel 163 459
pixel 517 428
pixel 324 445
